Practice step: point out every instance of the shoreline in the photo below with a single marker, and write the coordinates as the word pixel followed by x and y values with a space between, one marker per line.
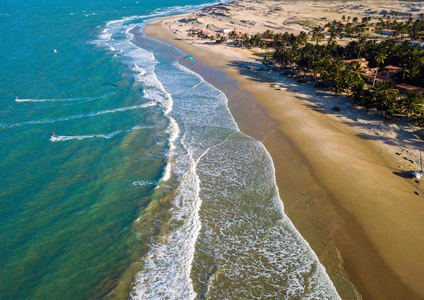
pixel 315 158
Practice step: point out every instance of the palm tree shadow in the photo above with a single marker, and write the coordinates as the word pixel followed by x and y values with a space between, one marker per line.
pixel 252 72
pixel 324 101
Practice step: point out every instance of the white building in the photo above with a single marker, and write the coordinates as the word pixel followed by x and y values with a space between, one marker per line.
pixel 225 30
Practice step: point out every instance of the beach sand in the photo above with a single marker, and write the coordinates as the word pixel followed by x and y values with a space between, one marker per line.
pixel 338 173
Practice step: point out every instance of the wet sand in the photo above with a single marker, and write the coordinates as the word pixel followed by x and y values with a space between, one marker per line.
pixel 342 192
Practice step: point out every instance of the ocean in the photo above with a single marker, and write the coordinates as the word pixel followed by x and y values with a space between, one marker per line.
pixel 123 172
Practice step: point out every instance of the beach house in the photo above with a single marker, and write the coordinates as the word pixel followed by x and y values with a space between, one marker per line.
pixel 205 33
pixel 269 42
pixel 391 72
pixel 404 88
pixel 361 61
pixel 387 31
pixel 225 30
pixel 417 42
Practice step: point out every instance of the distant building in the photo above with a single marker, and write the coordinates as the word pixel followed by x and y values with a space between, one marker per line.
pixel 404 88
pixel 324 28
pixel 205 33
pixel 225 30
pixel 344 22
pixel 361 61
pixel 369 28
pixel 387 31
pixel 390 71
pixel 378 79
pixel 269 42
pixel 418 42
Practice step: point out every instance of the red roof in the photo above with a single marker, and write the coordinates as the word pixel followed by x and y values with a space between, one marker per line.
pixel 393 68
pixel 408 87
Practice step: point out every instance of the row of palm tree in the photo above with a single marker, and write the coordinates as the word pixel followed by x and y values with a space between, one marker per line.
pixel 325 62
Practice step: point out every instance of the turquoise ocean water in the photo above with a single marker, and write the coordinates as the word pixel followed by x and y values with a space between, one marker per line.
pixel 123 173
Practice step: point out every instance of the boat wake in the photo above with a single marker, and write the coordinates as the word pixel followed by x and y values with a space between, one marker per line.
pixel 62 99
pixel 102 112
pixel 62 138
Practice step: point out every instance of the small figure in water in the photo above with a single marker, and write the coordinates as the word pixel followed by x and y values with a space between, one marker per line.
pixel 54 133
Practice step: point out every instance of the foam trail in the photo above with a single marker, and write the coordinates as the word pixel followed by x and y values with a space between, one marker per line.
pixel 102 112
pixel 140 127
pixel 61 99
pixel 62 138
pixel 143 183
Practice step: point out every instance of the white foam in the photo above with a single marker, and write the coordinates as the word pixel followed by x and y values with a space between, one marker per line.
pixel 61 99
pixel 102 112
pixel 174 132
pixel 140 127
pixel 144 183
pixel 140 71
pixel 62 138
pixel 167 268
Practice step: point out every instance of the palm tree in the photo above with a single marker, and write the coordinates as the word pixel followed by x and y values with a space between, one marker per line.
pixel 361 45
pixel 358 92
pixel 302 38
pixel 317 35
pixel 413 73
pixel 412 103
pixel 232 35
pixel 386 96
pixel 391 108
pixel 419 118
pixel 381 57
pixel 268 34
pixel 357 71
pixel 340 77
pixel 368 97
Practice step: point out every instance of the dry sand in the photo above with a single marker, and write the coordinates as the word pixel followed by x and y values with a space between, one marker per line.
pixel 339 176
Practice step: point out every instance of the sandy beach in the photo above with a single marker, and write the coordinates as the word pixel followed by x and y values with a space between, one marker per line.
pixel 340 174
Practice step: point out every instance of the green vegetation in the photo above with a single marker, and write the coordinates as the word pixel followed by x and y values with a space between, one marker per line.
pixel 367 71
pixel 330 63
